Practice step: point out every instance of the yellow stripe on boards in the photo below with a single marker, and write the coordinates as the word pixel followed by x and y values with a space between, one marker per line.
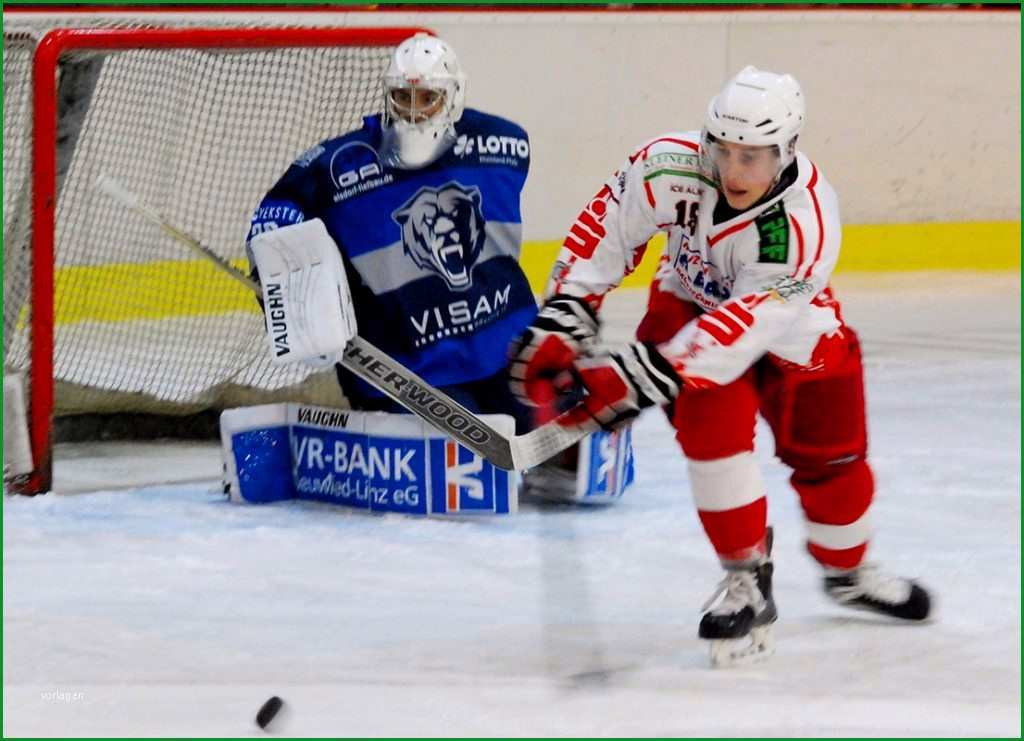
pixel 866 247
pixel 537 259
pixel 993 245
pixel 154 290
pixel 179 288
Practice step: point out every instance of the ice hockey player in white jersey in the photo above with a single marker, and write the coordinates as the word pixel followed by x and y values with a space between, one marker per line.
pixel 740 320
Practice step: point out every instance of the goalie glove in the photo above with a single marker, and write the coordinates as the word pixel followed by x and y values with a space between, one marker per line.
pixel 542 357
pixel 619 384
pixel 306 299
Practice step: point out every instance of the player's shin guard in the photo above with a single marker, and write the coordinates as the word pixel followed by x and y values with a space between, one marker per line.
pixel 836 503
pixel 729 494
pixel 715 428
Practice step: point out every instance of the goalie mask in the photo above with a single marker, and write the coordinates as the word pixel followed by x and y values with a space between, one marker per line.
pixel 756 109
pixel 424 95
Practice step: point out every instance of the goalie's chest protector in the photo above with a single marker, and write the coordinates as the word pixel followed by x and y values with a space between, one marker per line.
pixel 433 253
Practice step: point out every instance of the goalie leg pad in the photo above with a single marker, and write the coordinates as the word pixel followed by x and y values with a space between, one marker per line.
pixel 606 466
pixel 600 469
pixel 373 461
pixel 256 453
pixel 17 447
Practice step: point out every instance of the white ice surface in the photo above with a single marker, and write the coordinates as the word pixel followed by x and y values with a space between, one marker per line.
pixel 167 611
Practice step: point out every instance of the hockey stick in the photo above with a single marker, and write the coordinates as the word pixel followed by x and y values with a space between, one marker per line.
pixel 512 453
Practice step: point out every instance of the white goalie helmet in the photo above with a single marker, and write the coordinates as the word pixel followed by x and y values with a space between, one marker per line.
pixel 424 95
pixel 758 108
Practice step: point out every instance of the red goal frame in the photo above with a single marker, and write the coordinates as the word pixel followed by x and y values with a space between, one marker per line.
pixel 52 46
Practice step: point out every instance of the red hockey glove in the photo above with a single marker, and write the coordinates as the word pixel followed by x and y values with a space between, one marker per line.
pixel 542 357
pixel 619 384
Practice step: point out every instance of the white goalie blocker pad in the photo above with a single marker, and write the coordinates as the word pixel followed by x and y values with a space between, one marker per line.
pixel 17 449
pixel 373 461
pixel 603 472
pixel 306 298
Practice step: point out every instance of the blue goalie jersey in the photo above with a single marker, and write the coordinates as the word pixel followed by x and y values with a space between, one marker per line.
pixel 432 254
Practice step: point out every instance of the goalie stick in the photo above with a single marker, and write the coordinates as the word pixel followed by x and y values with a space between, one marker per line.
pixel 512 453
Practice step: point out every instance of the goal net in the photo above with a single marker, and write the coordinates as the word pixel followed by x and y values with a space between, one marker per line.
pixel 105 314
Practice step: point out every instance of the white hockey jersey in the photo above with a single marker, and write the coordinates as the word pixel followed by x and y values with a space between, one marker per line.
pixel 760 277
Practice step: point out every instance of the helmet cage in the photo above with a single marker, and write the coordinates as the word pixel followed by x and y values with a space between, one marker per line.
pixel 709 160
pixel 446 115
pixel 757 108
pixel 422 62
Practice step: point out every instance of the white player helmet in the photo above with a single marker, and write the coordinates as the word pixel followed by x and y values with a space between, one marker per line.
pixel 422 62
pixel 758 108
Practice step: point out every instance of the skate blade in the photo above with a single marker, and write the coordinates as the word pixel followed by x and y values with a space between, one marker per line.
pixel 751 649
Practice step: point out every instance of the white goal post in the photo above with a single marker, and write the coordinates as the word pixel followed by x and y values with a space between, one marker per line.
pixel 101 314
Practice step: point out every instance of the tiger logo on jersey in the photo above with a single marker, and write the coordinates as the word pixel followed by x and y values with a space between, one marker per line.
pixel 443 231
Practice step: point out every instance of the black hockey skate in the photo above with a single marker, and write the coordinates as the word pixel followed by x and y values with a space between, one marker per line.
pixel 740 627
pixel 867 588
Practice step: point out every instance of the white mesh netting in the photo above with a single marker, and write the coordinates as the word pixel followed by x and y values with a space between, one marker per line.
pixel 141 325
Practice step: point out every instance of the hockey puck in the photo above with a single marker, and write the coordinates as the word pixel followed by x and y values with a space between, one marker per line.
pixel 269 710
